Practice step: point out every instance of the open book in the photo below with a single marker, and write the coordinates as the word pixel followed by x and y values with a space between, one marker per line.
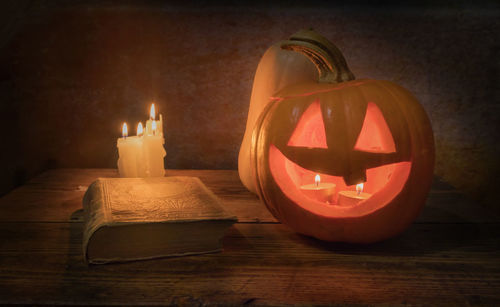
pixel 144 218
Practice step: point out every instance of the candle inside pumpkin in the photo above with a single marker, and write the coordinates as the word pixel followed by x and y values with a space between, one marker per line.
pixel 351 198
pixel 321 191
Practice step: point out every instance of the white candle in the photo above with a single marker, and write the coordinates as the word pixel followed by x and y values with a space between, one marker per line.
pixel 149 123
pixel 154 152
pixel 321 191
pixel 160 125
pixel 130 161
pixel 352 198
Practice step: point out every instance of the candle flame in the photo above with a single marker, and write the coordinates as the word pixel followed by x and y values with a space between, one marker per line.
pixel 359 188
pixel 153 126
pixel 124 130
pixel 317 179
pixel 152 113
pixel 140 129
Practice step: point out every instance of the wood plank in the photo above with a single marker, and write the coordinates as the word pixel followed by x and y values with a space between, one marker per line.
pixel 454 207
pixel 56 195
pixel 449 256
pixel 261 264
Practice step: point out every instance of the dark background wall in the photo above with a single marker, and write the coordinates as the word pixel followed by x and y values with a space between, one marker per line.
pixel 72 72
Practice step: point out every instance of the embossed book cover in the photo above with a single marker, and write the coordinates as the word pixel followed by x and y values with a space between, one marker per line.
pixel 144 218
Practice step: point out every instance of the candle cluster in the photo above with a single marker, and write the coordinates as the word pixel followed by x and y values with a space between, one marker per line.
pixel 325 192
pixel 142 155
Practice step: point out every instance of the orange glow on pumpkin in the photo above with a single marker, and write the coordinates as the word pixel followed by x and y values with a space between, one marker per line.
pixel 383 182
pixel 310 130
pixel 375 135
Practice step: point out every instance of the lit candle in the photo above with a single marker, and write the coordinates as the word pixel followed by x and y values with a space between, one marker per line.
pixel 154 152
pixel 142 155
pixel 130 161
pixel 351 198
pixel 321 191
pixel 140 130
pixel 152 119
pixel 124 130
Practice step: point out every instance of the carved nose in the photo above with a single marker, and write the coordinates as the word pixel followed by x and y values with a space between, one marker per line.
pixel 355 177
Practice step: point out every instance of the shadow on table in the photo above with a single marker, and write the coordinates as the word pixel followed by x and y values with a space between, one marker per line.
pixel 420 239
pixel 77 289
pixel 450 220
pixel 439 228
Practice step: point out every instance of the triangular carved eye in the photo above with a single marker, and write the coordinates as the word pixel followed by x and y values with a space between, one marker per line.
pixel 375 135
pixel 310 130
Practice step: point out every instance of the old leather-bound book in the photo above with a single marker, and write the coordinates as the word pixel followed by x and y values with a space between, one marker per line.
pixel 144 218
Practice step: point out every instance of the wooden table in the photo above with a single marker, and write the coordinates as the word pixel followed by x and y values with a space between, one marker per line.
pixel 450 255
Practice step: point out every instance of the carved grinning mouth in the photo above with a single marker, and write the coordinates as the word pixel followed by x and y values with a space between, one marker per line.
pixel 383 182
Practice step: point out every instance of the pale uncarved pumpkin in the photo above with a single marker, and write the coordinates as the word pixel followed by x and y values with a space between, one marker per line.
pixel 277 69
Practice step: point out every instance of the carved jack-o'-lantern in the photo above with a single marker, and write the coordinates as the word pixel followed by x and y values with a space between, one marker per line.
pixel 349 133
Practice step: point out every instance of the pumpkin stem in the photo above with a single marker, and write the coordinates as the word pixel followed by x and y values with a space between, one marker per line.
pixel 327 58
